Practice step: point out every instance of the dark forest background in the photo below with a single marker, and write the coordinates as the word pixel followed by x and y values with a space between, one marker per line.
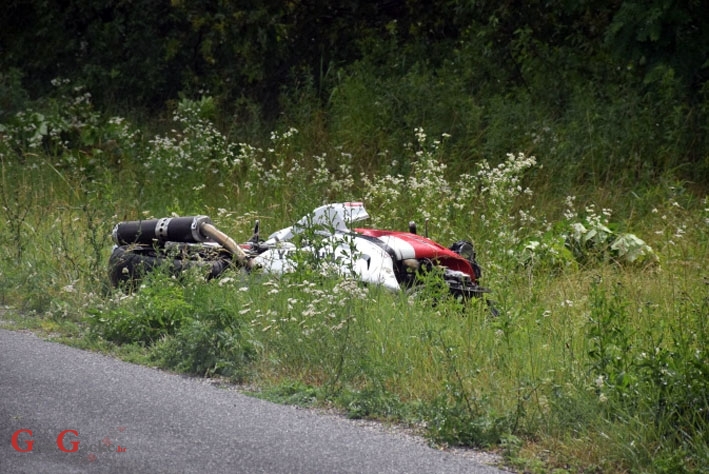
pixel 611 91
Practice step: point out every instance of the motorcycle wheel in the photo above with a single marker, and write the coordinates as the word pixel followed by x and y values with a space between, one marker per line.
pixel 128 264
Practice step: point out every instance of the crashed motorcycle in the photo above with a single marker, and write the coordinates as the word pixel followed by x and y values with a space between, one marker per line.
pixel 393 259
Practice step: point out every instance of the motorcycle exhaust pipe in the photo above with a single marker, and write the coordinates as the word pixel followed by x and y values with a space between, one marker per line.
pixel 195 229
pixel 149 232
pixel 227 242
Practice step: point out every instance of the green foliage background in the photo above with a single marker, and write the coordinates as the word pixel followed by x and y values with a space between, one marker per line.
pixel 608 91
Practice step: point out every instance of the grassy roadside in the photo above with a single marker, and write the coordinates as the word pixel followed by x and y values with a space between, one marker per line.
pixel 596 363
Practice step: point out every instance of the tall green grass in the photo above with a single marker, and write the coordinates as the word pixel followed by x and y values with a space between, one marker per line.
pixel 597 360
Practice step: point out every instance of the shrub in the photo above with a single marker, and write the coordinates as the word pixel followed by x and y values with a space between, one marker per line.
pixel 145 317
pixel 210 342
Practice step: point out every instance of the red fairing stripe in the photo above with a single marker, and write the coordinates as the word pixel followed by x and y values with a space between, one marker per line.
pixel 425 248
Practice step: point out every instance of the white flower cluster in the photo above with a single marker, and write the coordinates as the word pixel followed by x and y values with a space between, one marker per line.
pixel 424 193
pixel 308 308
pixel 198 145
pixel 280 167
pixel 484 200
pixel 501 183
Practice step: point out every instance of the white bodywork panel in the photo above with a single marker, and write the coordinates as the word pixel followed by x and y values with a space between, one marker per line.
pixel 326 220
pixel 346 253
pixel 401 248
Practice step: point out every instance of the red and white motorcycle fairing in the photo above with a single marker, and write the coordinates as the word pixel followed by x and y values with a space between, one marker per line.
pixel 346 252
pixel 371 255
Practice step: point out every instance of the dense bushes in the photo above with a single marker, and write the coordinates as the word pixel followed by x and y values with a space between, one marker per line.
pixel 607 92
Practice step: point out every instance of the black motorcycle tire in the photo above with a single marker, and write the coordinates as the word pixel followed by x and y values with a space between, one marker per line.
pixel 128 264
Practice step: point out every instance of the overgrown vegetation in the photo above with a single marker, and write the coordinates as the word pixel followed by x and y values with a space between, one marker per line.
pixel 570 147
pixel 597 359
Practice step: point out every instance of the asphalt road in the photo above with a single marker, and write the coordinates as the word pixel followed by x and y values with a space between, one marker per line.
pixel 134 419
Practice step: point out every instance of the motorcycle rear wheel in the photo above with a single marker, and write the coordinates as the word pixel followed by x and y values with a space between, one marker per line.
pixel 128 264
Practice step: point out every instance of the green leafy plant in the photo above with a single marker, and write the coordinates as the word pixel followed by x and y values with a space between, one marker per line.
pixel 549 253
pixel 159 309
pixel 592 239
pixel 211 342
